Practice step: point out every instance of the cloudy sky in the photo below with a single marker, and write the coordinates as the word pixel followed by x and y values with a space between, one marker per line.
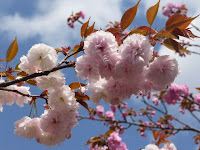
pixel 45 22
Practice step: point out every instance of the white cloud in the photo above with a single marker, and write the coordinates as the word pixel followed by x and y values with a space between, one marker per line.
pixel 49 19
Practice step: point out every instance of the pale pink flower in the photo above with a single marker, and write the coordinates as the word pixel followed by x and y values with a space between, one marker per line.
pixel 162 71
pixel 174 93
pixel 117 91
pixel 52 81
pixel 110 115
pixel 98 91
pixel 151 147
pixel 107 66
pixel 137 50
pixel 169 146
pixel 99 44
pixel 63 99
pixel 53 122
pixel 26 66
pixel 115 142
pixel 42 56
pixel 87 68
pixel 28 128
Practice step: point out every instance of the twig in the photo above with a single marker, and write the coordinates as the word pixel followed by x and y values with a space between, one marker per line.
pixel 34 75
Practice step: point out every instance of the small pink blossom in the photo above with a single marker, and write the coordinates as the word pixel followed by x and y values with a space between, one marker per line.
pixel 100 111
pixel 110 115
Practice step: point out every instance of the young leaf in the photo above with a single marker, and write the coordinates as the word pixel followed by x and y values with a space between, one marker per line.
pixel 31 82
pixel 76 85
pixel 178 21
pixel 165 34
pixel 84 28
pixel 155 134
pixel 173 45
pixel 152 12
pixel 12 50
pixel 89 30
pixel 129 16
pixel 84 104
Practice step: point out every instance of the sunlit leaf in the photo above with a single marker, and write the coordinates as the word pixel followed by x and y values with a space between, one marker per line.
pixel 155 134
pixel 76 85
pixel 12 50
pixel 89 30
pixel 165 34
pixel 152 12
pixel 84 28
pixel 81 97
pixel 83 103
pixel 184 32
pixel 178 21
pixel 173 45
pixel 31 82
pixel 129 16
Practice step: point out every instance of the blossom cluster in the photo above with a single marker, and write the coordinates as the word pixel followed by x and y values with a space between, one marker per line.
pixel 114 142
pixel 55 124
pixel 73 18
pixel 171 8
pixel 167 146
pixel 175 92
pixel 116 72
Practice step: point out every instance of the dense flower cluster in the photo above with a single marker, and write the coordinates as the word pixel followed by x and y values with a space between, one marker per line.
pixel 167 146
pixel 115 73
pixel 54 126
pixel 171 8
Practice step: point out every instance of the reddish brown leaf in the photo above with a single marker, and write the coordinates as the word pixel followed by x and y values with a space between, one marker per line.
pixel 31 82
pixel 155 134
pixel 152 12
pixel 89 30
pixel 12 50
pixel 84 28
pixel 76 85
pixel 22 74
pixel 81 97
pixel 165 34
pixel 129 16
pixel 184 32
pixel 84 104
pixel 173 45
pixel 178 21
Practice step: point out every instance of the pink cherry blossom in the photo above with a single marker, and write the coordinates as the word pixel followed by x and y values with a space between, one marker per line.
pixel 174 93
pixel 100 44
pixel 87 68
pixel 115 142
pixel 100 111
pixel 63 99
pixel 162 71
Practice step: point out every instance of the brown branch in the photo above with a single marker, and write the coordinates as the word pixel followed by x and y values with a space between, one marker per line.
pixel 34 75
pixel 66 57
pixel 23 94
pixel 142 125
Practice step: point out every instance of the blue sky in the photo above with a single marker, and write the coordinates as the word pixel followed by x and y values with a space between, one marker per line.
pixel 45 22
